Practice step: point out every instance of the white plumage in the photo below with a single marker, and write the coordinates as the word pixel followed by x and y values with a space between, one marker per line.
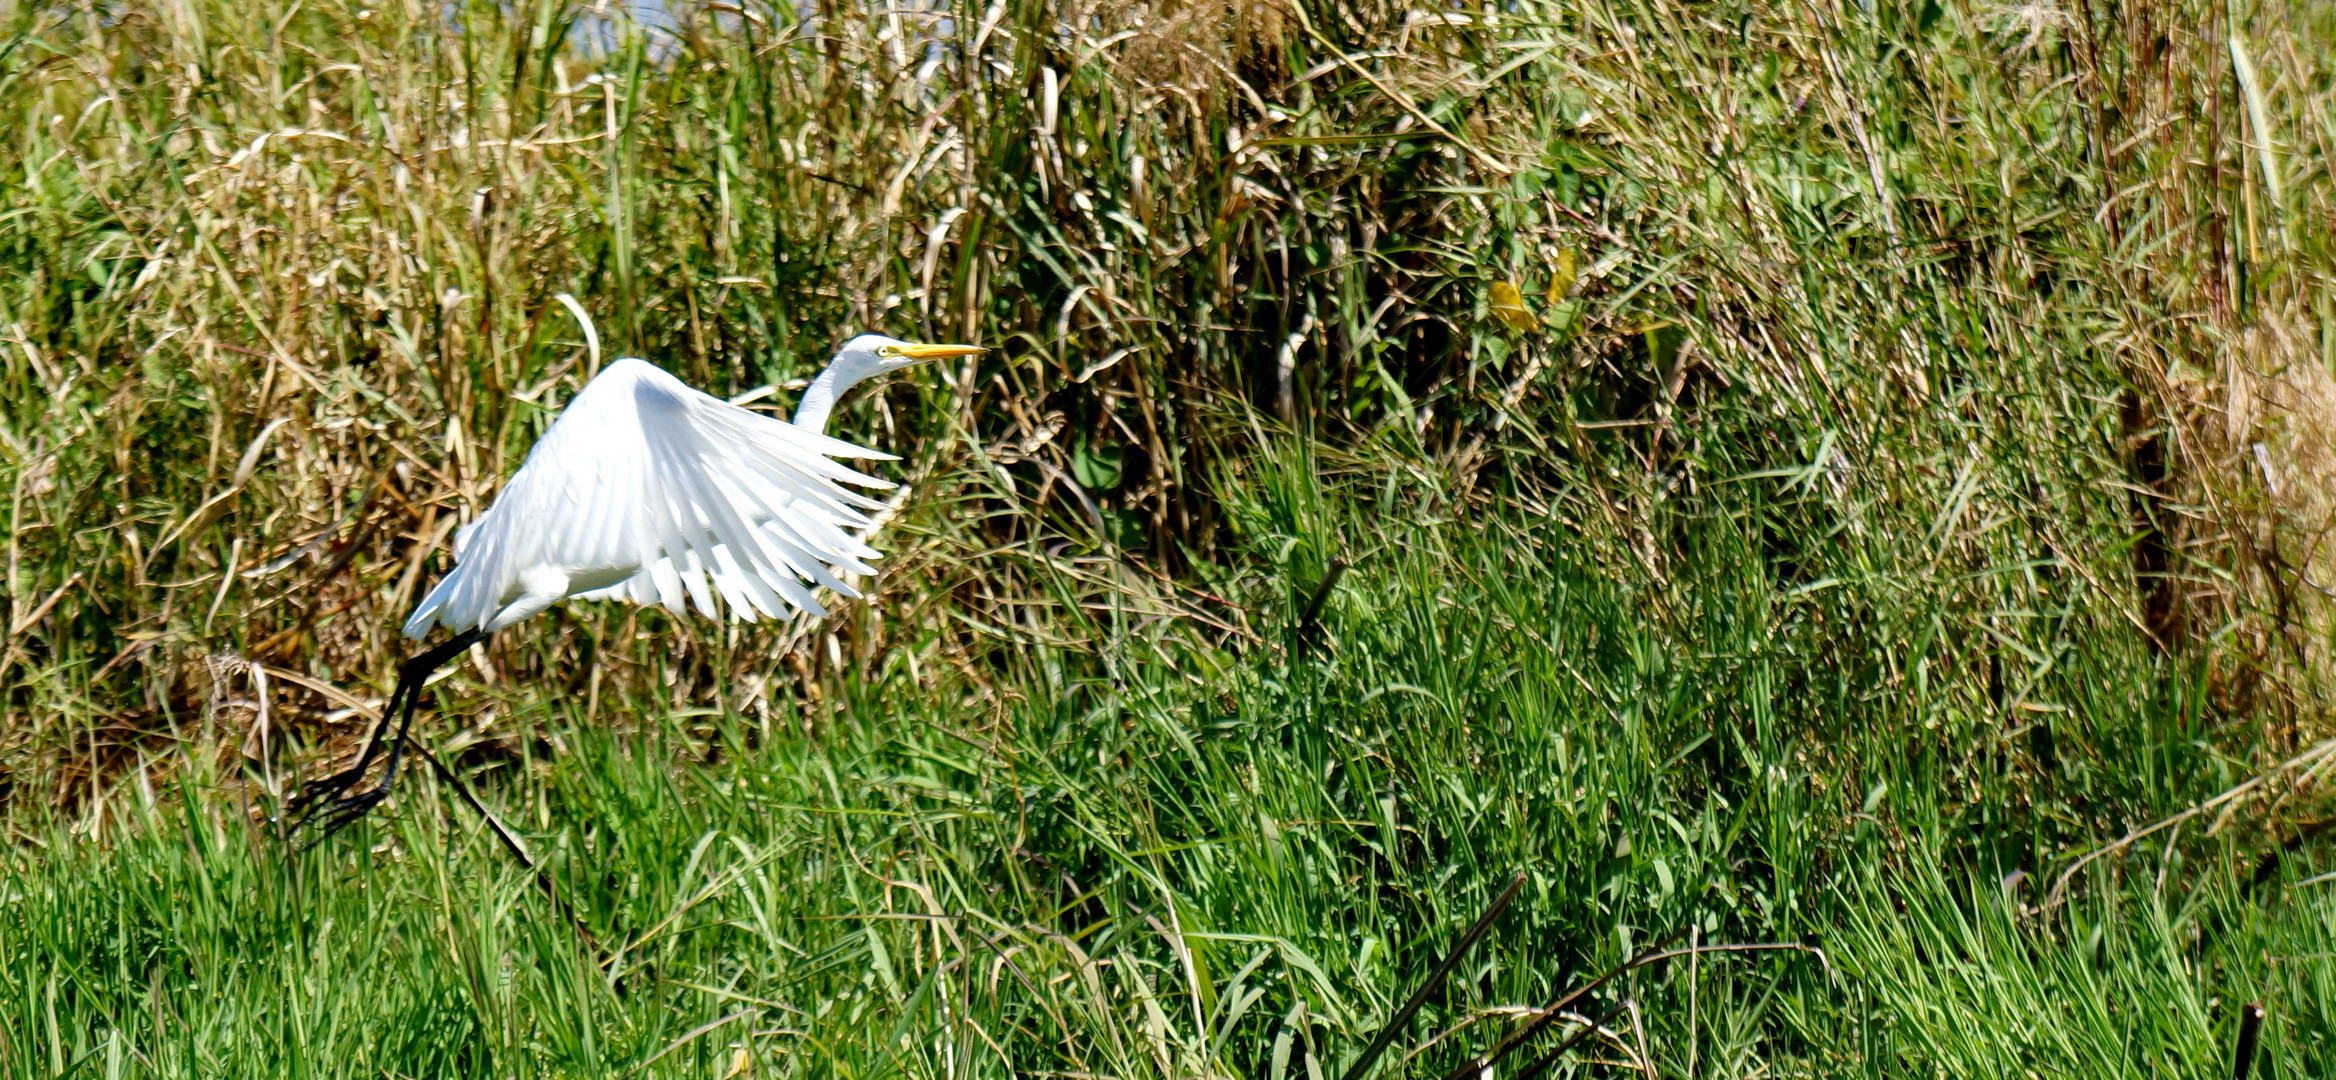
pixel 647 490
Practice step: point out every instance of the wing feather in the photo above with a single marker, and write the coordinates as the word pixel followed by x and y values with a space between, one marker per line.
pixel 693 554
pixel 749 547
pixel 648 491
pixel 731 537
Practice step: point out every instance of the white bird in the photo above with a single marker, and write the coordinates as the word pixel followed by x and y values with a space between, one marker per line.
pixel 647 490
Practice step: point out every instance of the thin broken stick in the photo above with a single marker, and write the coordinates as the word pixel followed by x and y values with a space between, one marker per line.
pixel 2229 799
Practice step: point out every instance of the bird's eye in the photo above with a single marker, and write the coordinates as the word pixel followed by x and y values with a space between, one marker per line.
pixel 888 350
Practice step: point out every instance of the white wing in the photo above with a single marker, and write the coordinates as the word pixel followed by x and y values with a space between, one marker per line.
pixel 644 489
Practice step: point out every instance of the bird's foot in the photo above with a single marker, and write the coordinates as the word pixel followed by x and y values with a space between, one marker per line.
pixel 340 813
pixel 328 804
pixel 330 789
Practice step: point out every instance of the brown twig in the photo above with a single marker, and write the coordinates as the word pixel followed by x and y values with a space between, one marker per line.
pixel 511 843
pixel 1549 1015
pixel 1436 978
pixel 1309 623
pixel 2059 892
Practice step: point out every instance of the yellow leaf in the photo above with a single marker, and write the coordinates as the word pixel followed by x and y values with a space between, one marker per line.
pixel 1509 305
pixel 1561 277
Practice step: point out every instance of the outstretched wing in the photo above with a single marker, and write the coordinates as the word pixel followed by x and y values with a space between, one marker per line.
pixel 647 490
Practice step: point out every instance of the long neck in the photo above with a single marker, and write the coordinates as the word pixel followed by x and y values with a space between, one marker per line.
pixel 820 397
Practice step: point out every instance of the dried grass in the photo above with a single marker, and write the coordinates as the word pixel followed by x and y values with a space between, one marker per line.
pixel 280 315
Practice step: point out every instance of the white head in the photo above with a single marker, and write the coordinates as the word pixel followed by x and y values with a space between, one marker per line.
pixel 870 355
pixel 865 357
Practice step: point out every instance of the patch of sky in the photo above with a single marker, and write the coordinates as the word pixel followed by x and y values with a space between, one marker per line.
pixel 599 31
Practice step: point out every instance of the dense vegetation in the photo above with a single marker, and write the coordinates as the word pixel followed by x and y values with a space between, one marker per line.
pixel 1842 476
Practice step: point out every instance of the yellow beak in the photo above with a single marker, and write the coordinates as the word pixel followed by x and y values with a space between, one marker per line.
pixel 938 352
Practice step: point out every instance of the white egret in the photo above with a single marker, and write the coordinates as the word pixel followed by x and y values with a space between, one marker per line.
pixel 647 490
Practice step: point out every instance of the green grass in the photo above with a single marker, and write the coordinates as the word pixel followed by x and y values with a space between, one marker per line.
pixel 1170 864
pixel 1907 476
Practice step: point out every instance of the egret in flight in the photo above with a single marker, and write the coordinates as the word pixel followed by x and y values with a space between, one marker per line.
pixel 647 490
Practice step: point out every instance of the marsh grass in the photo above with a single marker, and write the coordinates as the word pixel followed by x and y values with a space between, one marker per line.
pixel 1141 873
pixel 1893 467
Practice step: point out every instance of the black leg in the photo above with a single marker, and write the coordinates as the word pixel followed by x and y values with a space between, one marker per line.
pixel 339 783
pixel 329 802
